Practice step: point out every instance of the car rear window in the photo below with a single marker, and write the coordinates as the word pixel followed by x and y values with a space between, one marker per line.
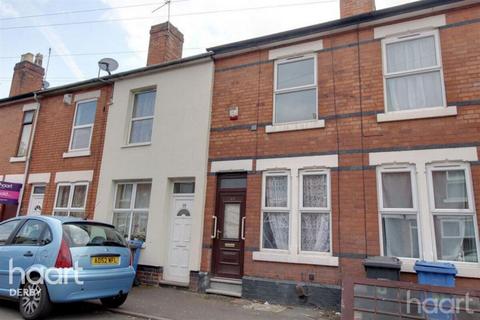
pixel 91 234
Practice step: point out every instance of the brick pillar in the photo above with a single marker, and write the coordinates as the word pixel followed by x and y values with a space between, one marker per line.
pixel 166 43
pixel 27 75
pixel 353 7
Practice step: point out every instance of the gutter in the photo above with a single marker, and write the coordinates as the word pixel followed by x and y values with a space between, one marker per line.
pixel 29 154
pixel 109 79
pixel 340 25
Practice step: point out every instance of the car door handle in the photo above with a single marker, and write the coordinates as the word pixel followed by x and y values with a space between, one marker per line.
pixel 28 254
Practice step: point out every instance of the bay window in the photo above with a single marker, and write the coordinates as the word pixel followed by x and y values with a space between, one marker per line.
pixel 83 125
pixel 398 211
pixel 413 75
pixel 70 199
pixel 142 117
pixel 131 209
pixel 295 89
pixel 451 202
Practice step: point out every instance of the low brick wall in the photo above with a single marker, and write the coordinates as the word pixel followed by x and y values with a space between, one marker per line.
pixel 149 275
pixel 285 292
pixel 152 275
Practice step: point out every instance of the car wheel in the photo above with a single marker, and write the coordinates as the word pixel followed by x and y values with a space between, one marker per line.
pixel 114 302
pixel 34 301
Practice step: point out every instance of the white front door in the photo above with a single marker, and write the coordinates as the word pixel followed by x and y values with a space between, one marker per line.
pixel 177 268
pixel 35 206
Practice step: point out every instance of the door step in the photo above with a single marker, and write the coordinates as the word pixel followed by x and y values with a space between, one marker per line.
pixel 225 287
pixel 174 283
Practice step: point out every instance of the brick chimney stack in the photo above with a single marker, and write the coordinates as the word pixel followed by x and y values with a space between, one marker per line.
pixel 27 74
pixel 166 43
pixel 353 7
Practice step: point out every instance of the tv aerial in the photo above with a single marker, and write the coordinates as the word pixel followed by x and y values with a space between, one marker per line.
pixel 108 65
pixel 166 3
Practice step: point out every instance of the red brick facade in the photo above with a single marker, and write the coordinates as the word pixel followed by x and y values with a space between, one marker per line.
pixel 51 140
pixel 11 123
pixel 350 95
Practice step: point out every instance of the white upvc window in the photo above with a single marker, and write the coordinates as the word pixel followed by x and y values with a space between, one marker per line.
pixel 276 211
pixel 70 199
pixel 82 129
pixel 131 209
pixel 295 90
pixel 141 123
pixel 453 212
pixel 398 207
pixel 296 212
pixel 27 124
pixel 315 212
pixel 413 73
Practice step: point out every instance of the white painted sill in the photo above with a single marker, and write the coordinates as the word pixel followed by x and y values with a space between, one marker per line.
pixel 417 114
pixel 298 259
pixel 133 145
pixel 18 159
pixel 465 270
pixel 295 126
pixel 75 154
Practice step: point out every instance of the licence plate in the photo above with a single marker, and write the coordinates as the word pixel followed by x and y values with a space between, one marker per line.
pixel 105 261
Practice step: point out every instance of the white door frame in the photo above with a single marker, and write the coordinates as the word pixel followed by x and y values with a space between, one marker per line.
pixel 173 216
pixel 35 195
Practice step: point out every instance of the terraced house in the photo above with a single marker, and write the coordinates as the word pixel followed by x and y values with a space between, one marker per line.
pixel 352 138
pixel 147 179
pixel 268 168
pixel 52 140
pixel 153 176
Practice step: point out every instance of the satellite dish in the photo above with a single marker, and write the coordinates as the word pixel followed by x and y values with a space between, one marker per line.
pixel 45 84
pixel 108 64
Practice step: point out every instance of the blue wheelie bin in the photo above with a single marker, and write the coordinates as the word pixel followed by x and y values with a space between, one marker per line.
pixel 437 274
pixel 135 246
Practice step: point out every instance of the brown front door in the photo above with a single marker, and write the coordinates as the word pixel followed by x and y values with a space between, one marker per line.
pixel 7 211
pixel 228 244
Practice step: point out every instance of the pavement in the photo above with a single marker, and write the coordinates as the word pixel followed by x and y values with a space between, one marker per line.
pixel 76 311
pixel 166 303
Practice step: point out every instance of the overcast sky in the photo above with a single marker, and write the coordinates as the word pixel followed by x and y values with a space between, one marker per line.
pixel 120 28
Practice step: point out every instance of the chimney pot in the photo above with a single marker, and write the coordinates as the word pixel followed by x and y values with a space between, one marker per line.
pixel 27 57
pixel 350 8
pixel 166 43
pixel 39 59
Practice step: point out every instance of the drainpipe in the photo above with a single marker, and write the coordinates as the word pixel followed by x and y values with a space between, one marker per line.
pixel 29 154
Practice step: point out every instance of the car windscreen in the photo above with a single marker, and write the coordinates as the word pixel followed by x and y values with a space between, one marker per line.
pixel 90 234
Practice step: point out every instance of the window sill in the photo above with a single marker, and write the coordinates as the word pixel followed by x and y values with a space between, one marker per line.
pixel 298 259
pixel 74 154
pixel 295 126
pixel 465 270
pixel 417 114
pixel 18 159
pixel 133 145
